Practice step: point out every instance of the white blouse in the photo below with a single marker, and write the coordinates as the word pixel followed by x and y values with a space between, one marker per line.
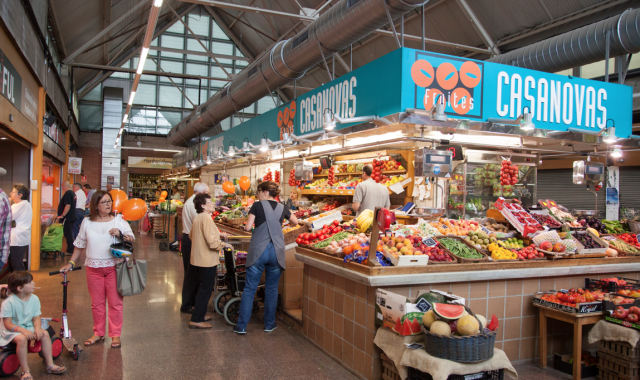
pixel 22 214
pixel 95 238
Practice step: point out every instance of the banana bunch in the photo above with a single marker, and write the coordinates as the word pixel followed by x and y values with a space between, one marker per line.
pixel 365 220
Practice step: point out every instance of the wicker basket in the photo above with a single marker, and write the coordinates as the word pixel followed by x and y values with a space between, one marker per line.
pixel 464 260
pixel 235 222
pixel 634 226
pixel 461 349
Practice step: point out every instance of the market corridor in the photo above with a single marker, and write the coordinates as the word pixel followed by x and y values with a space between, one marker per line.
pixel 156 340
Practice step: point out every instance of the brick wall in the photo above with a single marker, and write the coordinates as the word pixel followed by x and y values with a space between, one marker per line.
pixel 90 150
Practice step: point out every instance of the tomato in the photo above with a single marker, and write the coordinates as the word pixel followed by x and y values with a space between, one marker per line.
pixel 314 236
pixel 325 226
pixel 336 223
pixel 298 241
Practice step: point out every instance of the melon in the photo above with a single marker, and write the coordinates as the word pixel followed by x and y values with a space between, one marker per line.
pixel 440 328
pixel 448 312
pixel 468 325
pixel 428 318
pixel 483 321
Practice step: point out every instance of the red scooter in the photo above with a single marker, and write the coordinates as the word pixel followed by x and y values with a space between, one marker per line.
pixel 68 341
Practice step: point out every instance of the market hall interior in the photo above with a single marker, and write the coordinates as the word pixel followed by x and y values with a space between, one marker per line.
pixel 407 189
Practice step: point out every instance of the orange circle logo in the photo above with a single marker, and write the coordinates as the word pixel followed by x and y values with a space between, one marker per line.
pixel 422 73
pixel 292 109
pixel 430 97
pixel 280 119
pixel 447 76
pixel 460 101
pixel 470 74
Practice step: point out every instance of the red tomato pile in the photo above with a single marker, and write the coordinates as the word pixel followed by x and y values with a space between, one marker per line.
pixel 215 213
pixel 529 253
pixel 630 239
pixel 332 176
pixel 508 173
pixel 629 315
pixel 377 170
pixel 292 178
pixel 332 206
pixel 324 233
pixel 574 297
pixel 269 176
pixel 277 178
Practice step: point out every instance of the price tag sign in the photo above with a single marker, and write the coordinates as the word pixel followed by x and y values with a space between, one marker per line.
pixel 317 224
pixel 423 305
pixel 399 186
pixel 486 230
pixel 445 227
pixel 429 242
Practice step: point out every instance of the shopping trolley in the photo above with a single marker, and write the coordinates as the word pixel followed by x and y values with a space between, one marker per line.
pixel 52 241
pixel 230 285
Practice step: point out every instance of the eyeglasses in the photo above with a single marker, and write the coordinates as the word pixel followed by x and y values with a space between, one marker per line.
pixel 209 202
pixel 106 203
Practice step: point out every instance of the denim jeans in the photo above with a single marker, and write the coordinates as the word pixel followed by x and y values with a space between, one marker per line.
pixel 269 263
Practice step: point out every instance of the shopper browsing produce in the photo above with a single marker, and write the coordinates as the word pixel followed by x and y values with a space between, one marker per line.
pixel 369 194
pixel 266 254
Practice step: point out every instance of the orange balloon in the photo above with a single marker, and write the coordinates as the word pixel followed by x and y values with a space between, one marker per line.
pixel 228 187
pixel 134 209
pixel 245 182
pixel 119 197
pixel 163 194
pixel 50 180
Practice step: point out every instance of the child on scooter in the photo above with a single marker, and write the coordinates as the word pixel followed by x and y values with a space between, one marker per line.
pixel 21 323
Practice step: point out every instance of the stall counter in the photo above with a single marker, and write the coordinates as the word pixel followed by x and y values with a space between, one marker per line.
pixel 338 312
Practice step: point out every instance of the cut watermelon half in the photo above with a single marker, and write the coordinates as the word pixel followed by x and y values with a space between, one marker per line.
pixel 406 328
pixel 415 327
pixel 448 312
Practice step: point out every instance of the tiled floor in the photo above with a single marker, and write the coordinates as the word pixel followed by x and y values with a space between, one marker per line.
pixel 157 343
pixel 533 372
pixel 156 340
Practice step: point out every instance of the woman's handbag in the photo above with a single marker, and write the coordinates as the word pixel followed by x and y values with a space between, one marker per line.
pixel 131 275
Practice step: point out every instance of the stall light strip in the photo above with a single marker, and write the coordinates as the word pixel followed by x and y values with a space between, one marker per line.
pixel 146 43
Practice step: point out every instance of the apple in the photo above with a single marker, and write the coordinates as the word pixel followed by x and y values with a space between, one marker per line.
pixel 546 246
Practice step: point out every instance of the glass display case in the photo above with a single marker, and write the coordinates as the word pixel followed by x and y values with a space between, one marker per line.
pixel 475 184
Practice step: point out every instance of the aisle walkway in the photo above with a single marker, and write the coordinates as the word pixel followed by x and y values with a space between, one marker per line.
pixel 156 340
pixel 157 343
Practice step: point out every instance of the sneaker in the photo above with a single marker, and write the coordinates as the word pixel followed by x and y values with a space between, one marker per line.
pixel 270 329
pixel 237 330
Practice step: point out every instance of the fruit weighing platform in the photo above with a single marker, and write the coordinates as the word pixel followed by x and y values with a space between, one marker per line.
pixel 339 300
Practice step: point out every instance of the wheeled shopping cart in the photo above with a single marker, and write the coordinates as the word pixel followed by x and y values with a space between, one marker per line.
pixel 227 301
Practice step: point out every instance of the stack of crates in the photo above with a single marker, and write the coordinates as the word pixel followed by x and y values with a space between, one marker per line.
pixel 618 361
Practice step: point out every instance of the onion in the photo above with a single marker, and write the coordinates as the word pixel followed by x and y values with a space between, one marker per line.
pixel 362 235
pixel 334 244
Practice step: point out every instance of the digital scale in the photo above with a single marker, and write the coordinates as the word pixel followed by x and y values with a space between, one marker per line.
pixel 433 163
pixel 304 171
pixel 587 173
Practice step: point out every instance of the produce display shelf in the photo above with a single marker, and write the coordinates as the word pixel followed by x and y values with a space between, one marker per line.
pixel 338 192
pixel 463 267
pixel 360 172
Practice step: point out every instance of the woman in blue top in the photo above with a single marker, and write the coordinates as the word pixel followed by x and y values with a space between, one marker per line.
pixel 20 315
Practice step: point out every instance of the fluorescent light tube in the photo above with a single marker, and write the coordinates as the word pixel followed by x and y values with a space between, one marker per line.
pixel 133 95
pixel 143 58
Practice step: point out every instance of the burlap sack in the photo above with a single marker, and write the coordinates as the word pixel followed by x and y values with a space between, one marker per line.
pixel 604 330
pixel 441 369
pixel 393 345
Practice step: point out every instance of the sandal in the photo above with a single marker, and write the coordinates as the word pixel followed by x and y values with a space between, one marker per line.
pixel 26 376
pixel 115 342
pixel 93 340
pixel 55 369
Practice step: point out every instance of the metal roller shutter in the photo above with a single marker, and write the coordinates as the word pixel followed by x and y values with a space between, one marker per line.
pixel 557 184
pixel 630 187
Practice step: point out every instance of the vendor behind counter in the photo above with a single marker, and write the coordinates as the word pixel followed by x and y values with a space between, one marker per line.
pixel 369 194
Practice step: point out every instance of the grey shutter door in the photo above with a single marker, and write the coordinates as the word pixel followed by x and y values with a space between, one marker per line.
pixel 557 184
pixel 630 187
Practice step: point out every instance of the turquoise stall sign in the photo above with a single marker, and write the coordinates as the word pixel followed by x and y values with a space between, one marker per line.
pixel 481 91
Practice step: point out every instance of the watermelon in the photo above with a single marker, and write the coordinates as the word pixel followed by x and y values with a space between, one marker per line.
pixel 398 327
pixel 406 328
pixel 415 327
pixel 448 312
pixel 431 297
pixel 413 315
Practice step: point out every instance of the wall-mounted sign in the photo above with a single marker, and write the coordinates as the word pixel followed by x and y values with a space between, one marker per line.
pixel 150 162
pixel 75 165
pixel 15 90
